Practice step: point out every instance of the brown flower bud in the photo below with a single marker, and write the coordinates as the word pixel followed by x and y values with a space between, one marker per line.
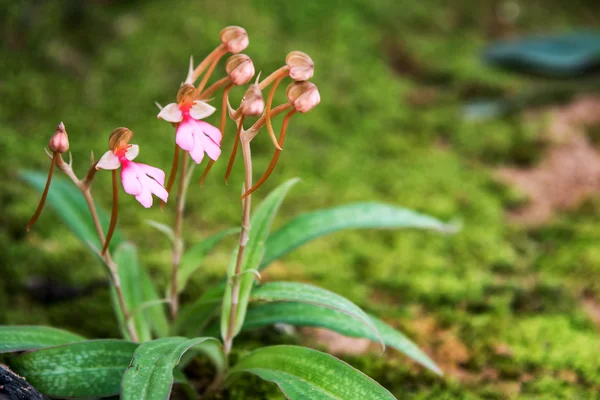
pixel 186 93
pixel 234 38
pixel 303 95
pixel 119 138
pixel 59 142
pixel 240 69
pixel 301 66
pixel 253 104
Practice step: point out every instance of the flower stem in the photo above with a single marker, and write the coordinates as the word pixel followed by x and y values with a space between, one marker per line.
pixel 221 128
pixel 85 188
pixel 206 62
pixel 275 158
pixel 178 243
pixel 234 149
pixel 214 87
pixel 40 206
pixel 244 235
pixel 173 172
pixel 114 213
pixel 279 73
pixel 209 72
pixel 268 112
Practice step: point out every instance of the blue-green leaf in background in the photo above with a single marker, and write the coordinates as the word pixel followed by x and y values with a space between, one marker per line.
pixel 70 206
pixel 92 368
pixel 300 314
pixel 19 338
pixel 311 225
pixel 303 374
pixel 260 225
pixel 150 375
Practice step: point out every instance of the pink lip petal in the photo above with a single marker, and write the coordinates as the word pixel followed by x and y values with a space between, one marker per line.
pixel 211 131
pixel 185 135
pixel 129 179
pixel 197 152
pixel 156 189
pixel 212 149
pixel 145 198
pixel 155 173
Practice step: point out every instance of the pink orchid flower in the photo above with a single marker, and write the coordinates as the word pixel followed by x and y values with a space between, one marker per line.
pixel 139 180
pixel 193 135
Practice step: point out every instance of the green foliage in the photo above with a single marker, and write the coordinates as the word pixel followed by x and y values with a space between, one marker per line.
pixel 19 338
pixel 255 248
pixel 150 374
pixel 308 294
pixel 139 294
pixel 86 369
pixel 302 314
pixel 303 373
pixel 309 226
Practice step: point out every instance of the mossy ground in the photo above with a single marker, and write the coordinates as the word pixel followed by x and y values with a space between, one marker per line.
pixel 500 307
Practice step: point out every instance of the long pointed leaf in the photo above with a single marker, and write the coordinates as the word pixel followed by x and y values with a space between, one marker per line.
pixel 86 369
pixel 259 231
pixel 150 375
pixel 303 373
pixel 309 294
pixel 309 315
pixel 19 338
pixel 311 225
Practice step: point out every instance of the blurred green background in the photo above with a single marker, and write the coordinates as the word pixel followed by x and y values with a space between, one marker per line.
pixel 507 309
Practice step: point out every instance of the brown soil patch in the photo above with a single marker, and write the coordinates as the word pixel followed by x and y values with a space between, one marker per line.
pixel 569 172
pixel 338 344
pixel 592 308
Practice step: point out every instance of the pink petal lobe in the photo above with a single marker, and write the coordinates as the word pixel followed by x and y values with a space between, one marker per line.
pixel 212 149
pixel 211 131
pixel 156 189
pixel 197 152
pixel 185 135
pixel 129 178
pixel 155 173
pixel 145 198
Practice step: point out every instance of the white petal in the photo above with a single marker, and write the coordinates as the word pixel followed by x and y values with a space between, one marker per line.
pixel 171 113
pixel 132 152
pixel 108 161
pixel 201 110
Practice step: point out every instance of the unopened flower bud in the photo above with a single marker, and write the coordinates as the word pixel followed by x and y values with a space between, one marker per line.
pixel 186 93
pixel 234 38
pixel 119 138
pixel 59 142
pixel 240 69
pixel 301 66
pixel 253 104
pixel 303 95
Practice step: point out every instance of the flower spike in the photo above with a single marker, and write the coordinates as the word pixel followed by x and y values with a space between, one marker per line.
pixel 59 143
pixel 139 180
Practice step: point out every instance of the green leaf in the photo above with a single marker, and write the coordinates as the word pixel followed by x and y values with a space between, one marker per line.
pixel 260 225
pixel 165 229
pixel 192 258
pixel 300 314
pixel 303 373
pixel 86 369
pixel 129 271
pixel 19 338
pixel 309 294
pixel 312 225
pixel 192 318
pixel 155 315
pixel 150 375
pixel 70 206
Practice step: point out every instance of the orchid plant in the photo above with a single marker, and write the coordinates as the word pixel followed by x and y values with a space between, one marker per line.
pixel 159 342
